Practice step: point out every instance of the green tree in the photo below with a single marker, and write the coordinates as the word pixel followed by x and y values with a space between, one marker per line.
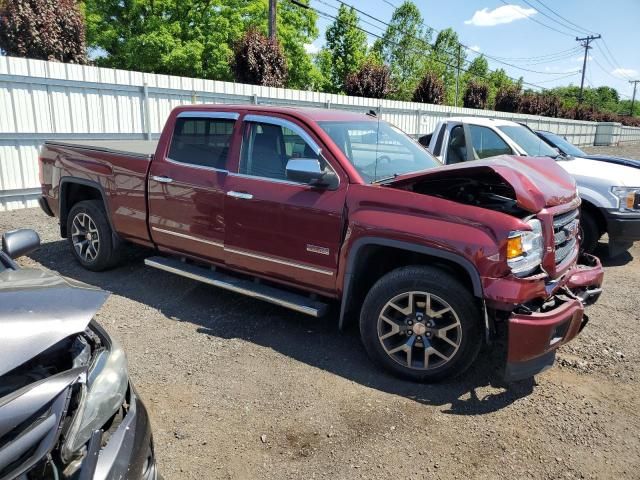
pixel 444 58
pixel 404 47
pixel 194 37
pixel 345 49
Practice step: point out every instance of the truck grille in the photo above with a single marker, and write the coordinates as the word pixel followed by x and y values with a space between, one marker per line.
pixel 565 233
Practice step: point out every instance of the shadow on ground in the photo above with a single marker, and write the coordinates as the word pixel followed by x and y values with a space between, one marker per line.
pixel 316 342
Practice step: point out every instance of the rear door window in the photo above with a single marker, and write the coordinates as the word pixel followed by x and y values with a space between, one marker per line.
pixel 487 143
pixel 201 141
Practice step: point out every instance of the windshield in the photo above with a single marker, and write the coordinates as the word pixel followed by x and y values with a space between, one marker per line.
pixel 528 141
pixel 563 145
pixel 378 150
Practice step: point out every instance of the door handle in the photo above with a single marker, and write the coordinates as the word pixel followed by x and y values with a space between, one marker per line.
pixel 162 179
pixel 241 195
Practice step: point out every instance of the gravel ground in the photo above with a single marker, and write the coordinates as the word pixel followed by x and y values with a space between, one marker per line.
pixel 240 389
pixel 631 150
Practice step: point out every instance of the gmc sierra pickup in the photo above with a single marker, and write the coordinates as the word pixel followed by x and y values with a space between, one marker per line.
pixel 304 207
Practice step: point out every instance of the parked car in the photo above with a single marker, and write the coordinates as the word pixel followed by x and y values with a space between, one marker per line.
pixel 304 207
pixel 67 407
pixel 567 149
pixel 610 193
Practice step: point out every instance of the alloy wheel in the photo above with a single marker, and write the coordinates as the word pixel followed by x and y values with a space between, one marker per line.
pixel 85 237
pixel 419 330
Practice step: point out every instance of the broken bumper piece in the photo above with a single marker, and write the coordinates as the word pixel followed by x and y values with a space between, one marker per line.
pixel 535 335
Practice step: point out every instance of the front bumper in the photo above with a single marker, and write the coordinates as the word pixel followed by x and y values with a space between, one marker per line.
pixel 535 335
pixel 129 450
pixel 623 229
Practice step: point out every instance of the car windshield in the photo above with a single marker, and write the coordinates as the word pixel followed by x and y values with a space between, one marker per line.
pixel 563 145
pixel 529 142
pixel 379 150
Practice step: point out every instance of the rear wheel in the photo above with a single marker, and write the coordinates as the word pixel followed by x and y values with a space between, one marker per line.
pixel 590 232
pixel 90 236
pixel 421 323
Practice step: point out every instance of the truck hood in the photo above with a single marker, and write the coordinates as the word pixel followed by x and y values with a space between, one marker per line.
pixel 538 182
pixel 38 309
pixel 629 162
pixel 587 170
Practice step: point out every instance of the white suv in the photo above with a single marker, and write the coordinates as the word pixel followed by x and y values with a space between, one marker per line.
pixel 610 193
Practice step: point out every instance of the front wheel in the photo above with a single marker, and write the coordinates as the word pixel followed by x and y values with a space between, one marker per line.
pixel 590 232
pixel 420 323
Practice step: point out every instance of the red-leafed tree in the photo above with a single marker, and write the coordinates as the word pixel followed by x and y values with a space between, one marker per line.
pixel 476 95
pixel 259 60
pixel 372 80
pixel 43 29
pixel 430 90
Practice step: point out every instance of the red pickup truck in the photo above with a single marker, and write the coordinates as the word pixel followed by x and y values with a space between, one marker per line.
pixel 305 207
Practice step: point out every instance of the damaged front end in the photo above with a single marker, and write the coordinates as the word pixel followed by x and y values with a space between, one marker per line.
pixel 534 280
pixel 67 409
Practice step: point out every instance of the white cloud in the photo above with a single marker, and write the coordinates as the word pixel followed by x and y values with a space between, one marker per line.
pixel 311 48
pixel 497 16
pixel 475 48
pixel 625 72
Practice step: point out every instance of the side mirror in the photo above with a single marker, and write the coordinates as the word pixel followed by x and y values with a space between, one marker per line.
pixel 308 170
pixel 17 243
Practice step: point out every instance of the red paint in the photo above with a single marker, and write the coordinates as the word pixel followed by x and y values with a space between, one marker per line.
pixel 283 220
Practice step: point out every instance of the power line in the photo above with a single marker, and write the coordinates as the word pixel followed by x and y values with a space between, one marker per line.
pixel 538 22
pixel 329 16
pixel 563 18
pixel 553 19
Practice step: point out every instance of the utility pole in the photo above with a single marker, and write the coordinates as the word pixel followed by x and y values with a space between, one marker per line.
pixel 272 19
pixel 633 98
pixel 585 43
pixel 458 74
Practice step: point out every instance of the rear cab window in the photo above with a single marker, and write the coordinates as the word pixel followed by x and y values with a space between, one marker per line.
pixel 202 139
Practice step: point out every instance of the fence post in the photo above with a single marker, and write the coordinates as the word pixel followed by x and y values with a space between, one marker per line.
pixel 327 104
pixel 254 99
pixel 418 120
pixel 146 111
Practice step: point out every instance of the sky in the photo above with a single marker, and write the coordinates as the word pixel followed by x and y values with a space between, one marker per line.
pixel 511 30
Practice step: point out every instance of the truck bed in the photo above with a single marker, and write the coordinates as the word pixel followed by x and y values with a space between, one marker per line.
pixel 132 148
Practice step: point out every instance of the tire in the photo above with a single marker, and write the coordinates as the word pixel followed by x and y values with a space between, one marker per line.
pixel 98 252
pixel 389 348
pixel 590 232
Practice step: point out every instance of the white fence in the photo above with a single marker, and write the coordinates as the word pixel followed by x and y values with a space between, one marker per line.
pixel 42 100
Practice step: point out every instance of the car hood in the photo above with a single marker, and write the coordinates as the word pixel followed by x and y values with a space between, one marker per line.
pixel 538 182
pixel 629 162
pixel 38 309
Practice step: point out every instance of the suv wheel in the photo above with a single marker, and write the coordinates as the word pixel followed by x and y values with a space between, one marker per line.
pixel 590 232
pixel 421 323
pixel 90 236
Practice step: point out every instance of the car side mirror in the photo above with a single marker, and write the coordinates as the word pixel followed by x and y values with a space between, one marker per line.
pixel 309 171
pixel 17 243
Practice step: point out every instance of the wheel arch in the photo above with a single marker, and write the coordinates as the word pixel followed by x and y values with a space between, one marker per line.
pixel 74 190
pixel 596 214
pixel 364 251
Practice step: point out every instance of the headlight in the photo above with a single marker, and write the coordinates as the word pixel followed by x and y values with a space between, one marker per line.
pixel 102 395
pixel 628 198
pixel 525 249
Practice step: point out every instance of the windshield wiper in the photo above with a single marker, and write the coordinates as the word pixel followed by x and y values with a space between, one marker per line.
pixel 385 179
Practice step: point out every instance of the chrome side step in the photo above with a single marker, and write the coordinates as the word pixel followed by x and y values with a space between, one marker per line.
pixel 270 294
